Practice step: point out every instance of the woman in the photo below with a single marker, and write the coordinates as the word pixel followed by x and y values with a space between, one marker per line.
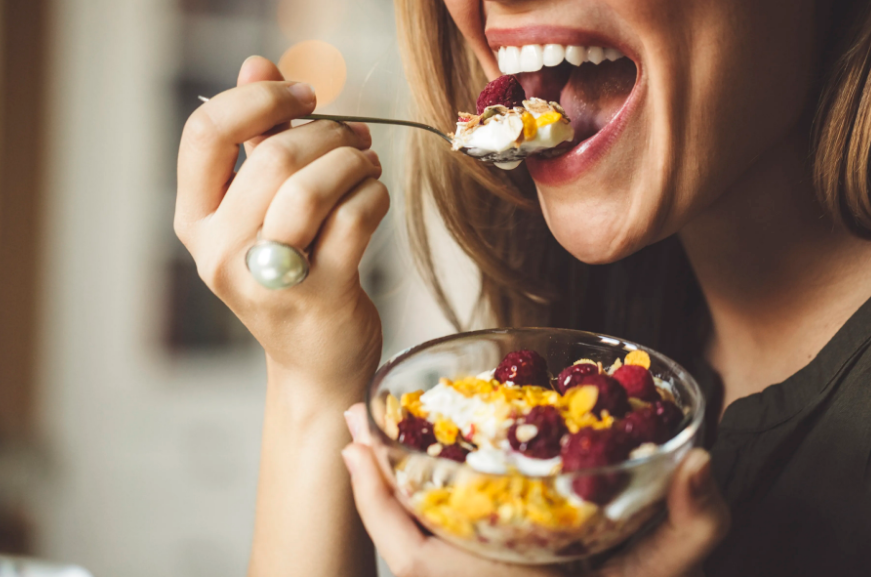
pixel 726 177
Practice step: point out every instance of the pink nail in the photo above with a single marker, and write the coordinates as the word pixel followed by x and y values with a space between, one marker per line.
pixel 362 131
pixel 352 424
pixel 373 157
pixel 349 461
pixel 303 92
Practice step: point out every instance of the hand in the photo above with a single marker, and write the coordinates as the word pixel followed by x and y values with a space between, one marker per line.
pixel 698 519
pixel 312 187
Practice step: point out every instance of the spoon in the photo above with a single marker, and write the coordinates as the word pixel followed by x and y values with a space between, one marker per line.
pixel 368 120
pixel 505 159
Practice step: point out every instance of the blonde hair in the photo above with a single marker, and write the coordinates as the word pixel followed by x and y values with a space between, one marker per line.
pixel 842 133
pixel 527 278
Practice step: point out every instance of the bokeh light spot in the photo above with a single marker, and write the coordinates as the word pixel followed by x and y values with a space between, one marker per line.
pixel 318 63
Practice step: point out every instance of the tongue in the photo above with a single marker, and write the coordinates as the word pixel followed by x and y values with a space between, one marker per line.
pixel 591 95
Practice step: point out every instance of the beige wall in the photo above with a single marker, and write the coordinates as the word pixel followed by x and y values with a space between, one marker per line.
pixel 153 457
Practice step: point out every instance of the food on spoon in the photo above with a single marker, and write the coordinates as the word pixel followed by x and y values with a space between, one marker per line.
pixel 508 128
pixel 504 91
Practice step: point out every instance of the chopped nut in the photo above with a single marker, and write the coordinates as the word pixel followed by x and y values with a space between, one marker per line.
pixel 536 105
pixel 526 433
pixel 556 106
pixel 393 409
pixel 581 401
pixel 391 428
pixel 492 111
pixel 637 403
pixel 434 450
pixel 392 416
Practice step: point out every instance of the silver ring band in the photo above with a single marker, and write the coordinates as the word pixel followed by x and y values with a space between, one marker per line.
pixel 275 265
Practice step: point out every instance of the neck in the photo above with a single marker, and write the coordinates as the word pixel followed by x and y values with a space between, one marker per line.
pixel 779 277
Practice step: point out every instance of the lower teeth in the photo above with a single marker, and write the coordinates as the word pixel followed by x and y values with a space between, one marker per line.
pixel 508 165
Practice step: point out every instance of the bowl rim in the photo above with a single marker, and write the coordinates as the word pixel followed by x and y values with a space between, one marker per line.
pixel 686 435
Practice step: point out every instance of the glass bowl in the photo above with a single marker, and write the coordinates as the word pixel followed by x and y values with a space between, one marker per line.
pixel 514 517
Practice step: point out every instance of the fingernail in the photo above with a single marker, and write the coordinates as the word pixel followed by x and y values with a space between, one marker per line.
pixel 373 157
pixel 303 92
pixel 249 59
pixel 353 427
pixel 701 481
pixel 362 131
pixel 348 458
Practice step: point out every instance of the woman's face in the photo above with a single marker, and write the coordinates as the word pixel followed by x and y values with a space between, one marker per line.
pixel 707 87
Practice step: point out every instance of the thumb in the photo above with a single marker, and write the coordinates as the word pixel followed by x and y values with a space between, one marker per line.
pixel 698 519
pixel 259 69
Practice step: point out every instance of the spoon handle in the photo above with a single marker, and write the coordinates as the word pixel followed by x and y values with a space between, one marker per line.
pixel 370 120
pixel 367 119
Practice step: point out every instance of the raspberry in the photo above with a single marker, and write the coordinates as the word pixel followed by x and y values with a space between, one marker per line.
pixel 454 452
pixel 571 376
pixel 641 426
pixel 546 443
pixel 612 397
pixel 416 433
pixel 523 368
pixel 638 382
pixel 599 489
pixel 505 90
pixel 669 415
pixel 653 424
pixel 596 448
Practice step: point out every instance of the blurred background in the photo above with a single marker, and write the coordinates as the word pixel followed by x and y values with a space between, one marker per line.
pixel 130 398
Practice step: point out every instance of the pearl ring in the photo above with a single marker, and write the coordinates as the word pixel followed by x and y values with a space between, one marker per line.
pixel 276 265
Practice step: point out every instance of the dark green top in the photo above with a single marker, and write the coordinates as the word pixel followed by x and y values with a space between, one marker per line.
pixel 794 463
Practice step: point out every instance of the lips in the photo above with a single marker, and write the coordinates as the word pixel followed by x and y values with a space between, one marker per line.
pixel 593 81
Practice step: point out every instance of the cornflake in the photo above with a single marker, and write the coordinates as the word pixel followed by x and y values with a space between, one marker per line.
pixel 640 358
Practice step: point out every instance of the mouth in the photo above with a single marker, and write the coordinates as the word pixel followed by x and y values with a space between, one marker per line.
pixel 591 77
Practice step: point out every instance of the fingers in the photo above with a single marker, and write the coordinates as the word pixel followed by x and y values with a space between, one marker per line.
pixel 396 536
pixel 357 422
pixel 306 198
pixel 698 518
pixel 274 161
pixel 407 551
pixel 212 134
pixel 259 69
pixel 346 232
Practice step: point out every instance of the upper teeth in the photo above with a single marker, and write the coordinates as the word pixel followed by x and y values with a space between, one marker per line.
pixel 532 57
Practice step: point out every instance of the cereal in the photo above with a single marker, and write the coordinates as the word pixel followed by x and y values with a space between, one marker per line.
pixel 640 358
pixel 516 452
pixel 411 403
pixel 446 432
